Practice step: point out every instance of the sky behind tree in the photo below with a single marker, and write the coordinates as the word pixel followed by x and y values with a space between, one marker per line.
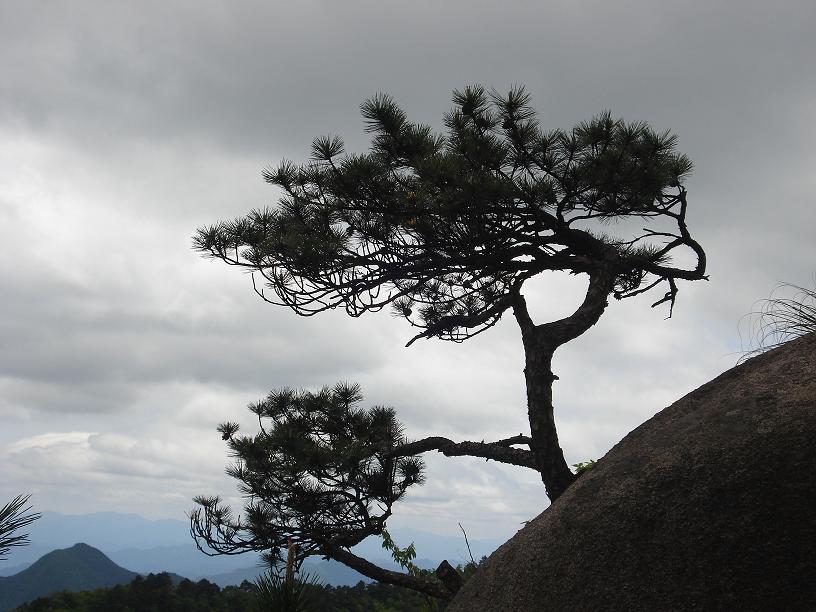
pixel 125 126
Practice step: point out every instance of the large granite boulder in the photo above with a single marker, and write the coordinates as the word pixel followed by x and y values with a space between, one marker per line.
pixel 709 505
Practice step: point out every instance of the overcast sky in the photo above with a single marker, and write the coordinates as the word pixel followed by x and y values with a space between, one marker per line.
pixel 125 126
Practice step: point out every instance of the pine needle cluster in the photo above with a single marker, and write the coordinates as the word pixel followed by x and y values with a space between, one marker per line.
pixel 319 470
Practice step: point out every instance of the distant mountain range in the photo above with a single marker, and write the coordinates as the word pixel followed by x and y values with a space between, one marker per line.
pixel 82 567
pixel 78 568
pixel 155 546
pixel 327 572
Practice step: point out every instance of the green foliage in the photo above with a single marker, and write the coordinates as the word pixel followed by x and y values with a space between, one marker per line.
pixel 277 593
pixel 156 593
pixel 79 567
pixel 402 556
pixel 153 593
pixel 445 228
pixel 584 466
pixel 319 471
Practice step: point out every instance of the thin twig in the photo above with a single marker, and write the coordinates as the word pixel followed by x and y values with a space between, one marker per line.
pixel 467 544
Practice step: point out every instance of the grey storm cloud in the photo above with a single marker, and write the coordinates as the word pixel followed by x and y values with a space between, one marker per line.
pixel 125 126
pixel 257 76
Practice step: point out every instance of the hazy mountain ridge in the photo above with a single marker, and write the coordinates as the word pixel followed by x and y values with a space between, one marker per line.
pixel 327 571
pixel 154 546
pixel 84 568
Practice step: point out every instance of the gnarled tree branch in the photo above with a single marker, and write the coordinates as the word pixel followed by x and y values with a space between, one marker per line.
pixel 423 584
pixel 501 451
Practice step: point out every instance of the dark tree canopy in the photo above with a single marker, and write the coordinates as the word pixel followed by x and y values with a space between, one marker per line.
pixel 447 229
pixel 320 476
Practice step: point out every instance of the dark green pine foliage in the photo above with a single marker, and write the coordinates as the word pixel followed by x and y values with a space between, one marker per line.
pixel 318 475
pixel 445 230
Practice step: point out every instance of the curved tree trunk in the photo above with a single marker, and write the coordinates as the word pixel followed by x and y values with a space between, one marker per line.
pixel 555 474
pixel 540 343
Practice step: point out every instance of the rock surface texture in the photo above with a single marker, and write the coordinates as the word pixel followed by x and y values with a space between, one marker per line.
pixel 710 505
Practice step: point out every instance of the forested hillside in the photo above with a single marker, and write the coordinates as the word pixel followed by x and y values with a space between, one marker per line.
pixel 77 568
pixel 156 593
